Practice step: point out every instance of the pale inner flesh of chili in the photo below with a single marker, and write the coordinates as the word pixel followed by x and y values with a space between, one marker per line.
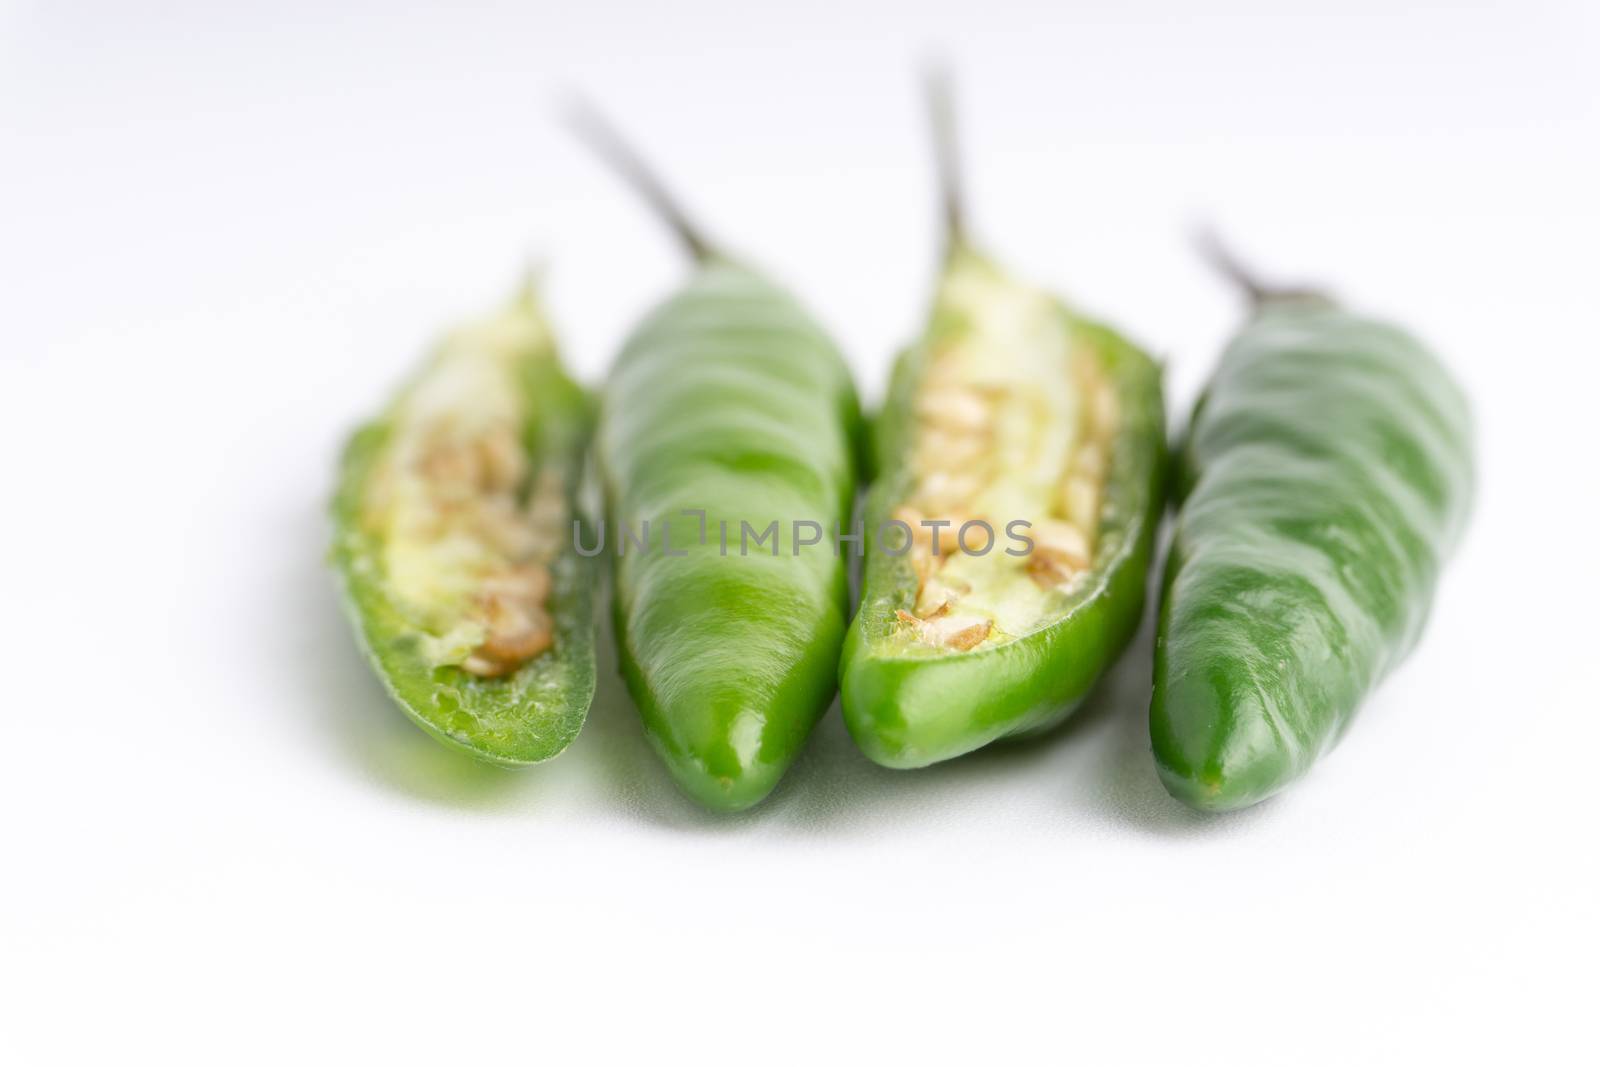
pixel 1014 420
pixel 468 528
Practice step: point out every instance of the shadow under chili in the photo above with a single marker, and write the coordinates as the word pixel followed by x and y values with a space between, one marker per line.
pixel 1103 751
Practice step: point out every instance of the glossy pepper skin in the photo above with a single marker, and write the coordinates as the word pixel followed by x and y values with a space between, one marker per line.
pixel 728 412
pixel 911 710
pixel 729 400
pixel 1326 476
pixel 534 713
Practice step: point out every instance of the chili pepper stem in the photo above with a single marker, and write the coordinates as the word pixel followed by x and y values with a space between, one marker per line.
pixel 947 154
pixel 1217 252
pixel 602 137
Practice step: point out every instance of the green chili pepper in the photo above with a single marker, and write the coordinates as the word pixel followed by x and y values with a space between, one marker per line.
pixel 1326 475
pixel 1016 417
pixel 728 419
pixel 453 539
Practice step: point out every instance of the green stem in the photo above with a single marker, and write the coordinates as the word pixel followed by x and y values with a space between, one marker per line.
pixel 1217 252
pixel 947 154
pixel 616 151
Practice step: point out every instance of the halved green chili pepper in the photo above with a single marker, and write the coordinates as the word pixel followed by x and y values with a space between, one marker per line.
pixel 1326 475
pixel 1016 423
pixel 728 419
pixel 453 537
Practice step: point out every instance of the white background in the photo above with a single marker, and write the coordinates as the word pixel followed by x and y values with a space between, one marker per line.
pixel 224 237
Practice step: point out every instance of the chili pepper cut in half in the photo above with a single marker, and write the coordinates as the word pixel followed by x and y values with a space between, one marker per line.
pixel 453 538
pixel 1326 475
pixel 728 418
pixel 1013 416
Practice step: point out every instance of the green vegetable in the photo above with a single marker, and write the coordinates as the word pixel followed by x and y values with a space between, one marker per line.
pixel 1326 475
pixel 453 539
pixel 728 411
pixel 1011 409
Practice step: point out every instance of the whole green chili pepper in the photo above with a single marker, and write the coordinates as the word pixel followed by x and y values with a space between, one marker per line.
pixel 728 420
pixel 452 537
pixel 1016 423
pixel 1326 475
